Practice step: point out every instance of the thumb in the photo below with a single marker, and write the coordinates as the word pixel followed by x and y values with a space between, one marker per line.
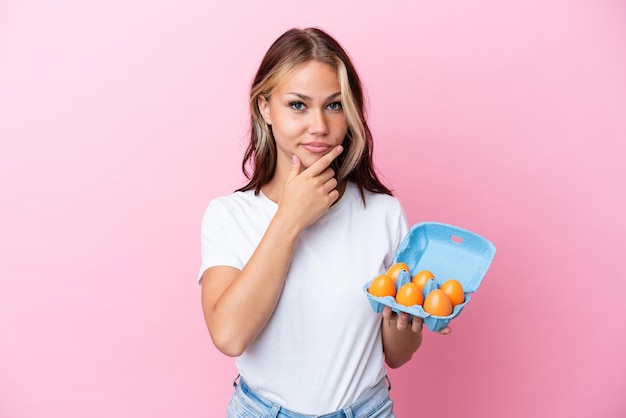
pixel 296 167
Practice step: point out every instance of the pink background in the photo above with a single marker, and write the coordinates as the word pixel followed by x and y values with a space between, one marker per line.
pixel 120 120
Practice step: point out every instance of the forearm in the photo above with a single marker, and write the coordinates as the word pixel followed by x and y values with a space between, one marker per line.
pixel 238 304
pixel 399 345
pixel 247 300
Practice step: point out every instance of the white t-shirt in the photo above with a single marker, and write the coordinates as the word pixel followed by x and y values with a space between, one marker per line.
pixel 322 348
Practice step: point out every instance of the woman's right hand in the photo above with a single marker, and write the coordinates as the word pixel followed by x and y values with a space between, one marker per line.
pixel 308 193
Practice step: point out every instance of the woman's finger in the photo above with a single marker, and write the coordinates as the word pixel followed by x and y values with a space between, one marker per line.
pixel 387 313
pixel 417 324
pixel 403 321
pixel 324 162
pixel 445 331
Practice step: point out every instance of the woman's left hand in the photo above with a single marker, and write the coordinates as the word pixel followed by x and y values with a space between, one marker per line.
pixel 401 322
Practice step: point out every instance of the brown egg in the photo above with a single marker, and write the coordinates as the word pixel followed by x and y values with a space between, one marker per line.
pixel 437 303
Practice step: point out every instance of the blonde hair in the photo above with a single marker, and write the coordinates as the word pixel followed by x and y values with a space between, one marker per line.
pixel 293 48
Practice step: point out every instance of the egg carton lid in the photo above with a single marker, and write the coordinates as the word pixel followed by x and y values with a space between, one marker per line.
pixel 448 251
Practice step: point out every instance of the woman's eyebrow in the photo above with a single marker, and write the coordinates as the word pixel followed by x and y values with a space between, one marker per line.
pixel 305 97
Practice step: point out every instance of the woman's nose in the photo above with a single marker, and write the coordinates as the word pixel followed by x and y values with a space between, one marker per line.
pixel 318 124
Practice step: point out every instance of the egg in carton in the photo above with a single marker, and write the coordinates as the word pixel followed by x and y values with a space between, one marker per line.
pixel 449 252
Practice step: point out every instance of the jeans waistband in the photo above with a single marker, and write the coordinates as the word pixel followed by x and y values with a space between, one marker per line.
pixel 383 384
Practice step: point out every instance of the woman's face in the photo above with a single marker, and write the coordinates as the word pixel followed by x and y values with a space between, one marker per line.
pixel 306 115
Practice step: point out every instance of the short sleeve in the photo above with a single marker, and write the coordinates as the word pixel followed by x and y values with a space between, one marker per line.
pixel 216 245
pixel 398 229
pixel 403 227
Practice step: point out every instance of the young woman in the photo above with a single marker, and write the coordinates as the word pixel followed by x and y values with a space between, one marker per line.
pixel 285 258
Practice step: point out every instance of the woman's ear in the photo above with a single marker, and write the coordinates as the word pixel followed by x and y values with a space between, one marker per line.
pixel 264 108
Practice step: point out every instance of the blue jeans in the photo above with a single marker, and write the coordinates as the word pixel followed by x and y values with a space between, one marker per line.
pixel 246 403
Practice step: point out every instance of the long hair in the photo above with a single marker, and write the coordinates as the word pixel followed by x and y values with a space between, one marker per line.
pixel 295 47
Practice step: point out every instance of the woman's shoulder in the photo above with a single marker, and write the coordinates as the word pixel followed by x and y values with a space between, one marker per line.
pixel 232 197
pixel 375 199
pixel 238 201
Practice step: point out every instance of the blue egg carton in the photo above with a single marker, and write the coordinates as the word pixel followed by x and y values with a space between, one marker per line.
pixel 449 252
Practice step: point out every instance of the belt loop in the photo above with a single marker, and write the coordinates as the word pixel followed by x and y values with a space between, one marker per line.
pixel 388 383
pixel 275 410
pixel 235 381
pixel 347 411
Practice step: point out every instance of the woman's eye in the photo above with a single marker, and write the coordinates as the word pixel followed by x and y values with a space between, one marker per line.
pixel 335 106
pixel 297 105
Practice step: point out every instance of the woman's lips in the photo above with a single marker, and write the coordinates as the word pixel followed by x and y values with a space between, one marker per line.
pixel 317 147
